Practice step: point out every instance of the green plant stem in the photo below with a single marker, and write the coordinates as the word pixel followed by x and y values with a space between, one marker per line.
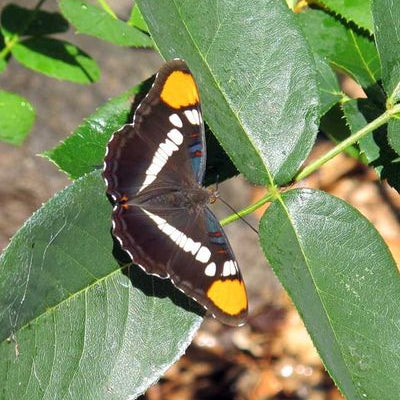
pixel 248 210
pixel 9 44
pixel 39 4
pixel 107 8
pixel 376 123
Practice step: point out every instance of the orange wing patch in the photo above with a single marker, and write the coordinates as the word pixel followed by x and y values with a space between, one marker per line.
pixel 229 296
pixel 180 90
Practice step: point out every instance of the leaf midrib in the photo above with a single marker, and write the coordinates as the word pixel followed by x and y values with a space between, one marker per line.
pixel 80 291
pixel 318 291
pixel 236 117
pixel 356 46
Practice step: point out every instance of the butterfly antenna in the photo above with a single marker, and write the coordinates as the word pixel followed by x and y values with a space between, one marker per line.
pixel 232 209
pixel 216 194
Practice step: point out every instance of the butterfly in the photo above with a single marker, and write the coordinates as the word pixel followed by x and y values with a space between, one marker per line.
pixel 153 169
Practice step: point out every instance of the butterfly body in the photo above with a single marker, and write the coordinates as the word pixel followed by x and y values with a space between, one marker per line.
pixel 153 170
pixel 190 198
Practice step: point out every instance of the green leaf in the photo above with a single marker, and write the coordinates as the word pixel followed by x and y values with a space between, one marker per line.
pixel 84 150
pixel 394 136
pixel 374 146
pixel 343 47
pixel 386 14
pixel 57 59
pixel 357 11
pixel 94 21
pixel 328 86
pixel 73 324
pixel 23 21
pixel 3 59
pixel 16 117
pixel 335 127
pixel 250 83
pixel 345 284
pixel 355 120
pixel 386 19
pixel 136 19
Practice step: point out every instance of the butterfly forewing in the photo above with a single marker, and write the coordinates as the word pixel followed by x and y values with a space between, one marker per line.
pixel 158 149
pixel 153 170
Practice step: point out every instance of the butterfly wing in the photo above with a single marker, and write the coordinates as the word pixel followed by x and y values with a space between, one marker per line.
pixel 167 132
pixel 191 249
pixel 140 236
pixel 218 285
pixel 160 153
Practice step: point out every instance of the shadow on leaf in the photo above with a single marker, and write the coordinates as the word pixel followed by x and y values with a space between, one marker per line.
pixel 23 21
pixel 59 50
pixel 151 285
pixel 376 146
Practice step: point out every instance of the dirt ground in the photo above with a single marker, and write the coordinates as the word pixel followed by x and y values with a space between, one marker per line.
pixel 272 356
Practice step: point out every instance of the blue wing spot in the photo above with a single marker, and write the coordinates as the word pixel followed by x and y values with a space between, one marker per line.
pixel 195 148
pixel 196 153
pixel 216 237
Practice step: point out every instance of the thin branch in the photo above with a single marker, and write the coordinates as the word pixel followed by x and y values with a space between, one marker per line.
pixel 248 210
pixel 354 138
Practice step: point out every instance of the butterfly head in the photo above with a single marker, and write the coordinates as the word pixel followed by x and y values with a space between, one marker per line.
pixel 213 195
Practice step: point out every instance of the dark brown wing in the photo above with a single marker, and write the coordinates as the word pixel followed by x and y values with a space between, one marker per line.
pixel 161 153
pixel 165 143
pixel 191 249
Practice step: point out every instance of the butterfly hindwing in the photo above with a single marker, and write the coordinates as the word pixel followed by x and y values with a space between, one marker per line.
pixel 213 277
pixel 153 169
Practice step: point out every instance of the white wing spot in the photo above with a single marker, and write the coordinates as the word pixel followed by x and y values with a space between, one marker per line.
pixel 191 246
pixel 196 116
pixel 158 220
pixel 188 245
pixel 182 241
pixel 168 229
pixel 175 120
pixel 211 269
pixel 164 151
pixel 161 154
pixel 158 161
pixel 149 179
pixel 227 268
pixel 191 117
pixel 233 268
pixel 153 170
pixel 175 136
pixel 176 236
pixel 169 147
pixel 203 254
